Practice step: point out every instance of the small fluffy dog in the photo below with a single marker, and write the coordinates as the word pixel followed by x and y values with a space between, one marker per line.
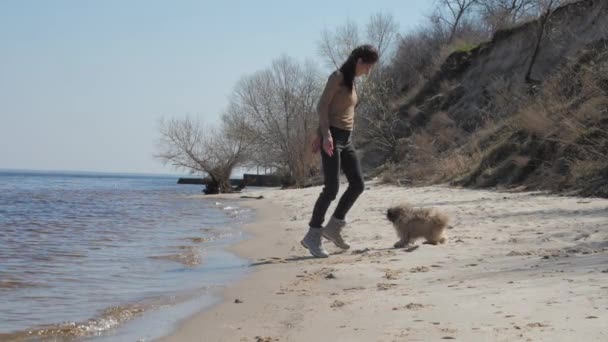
pixel 411 224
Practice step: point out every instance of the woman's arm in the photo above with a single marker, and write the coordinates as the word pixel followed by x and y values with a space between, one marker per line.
pixel 332 86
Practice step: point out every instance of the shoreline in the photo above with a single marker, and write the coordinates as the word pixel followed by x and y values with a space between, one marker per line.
pixel 521 266
pixel 160 323
pixel 251 249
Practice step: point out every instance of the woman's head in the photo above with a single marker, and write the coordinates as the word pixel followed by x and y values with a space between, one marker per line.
pixel 360 62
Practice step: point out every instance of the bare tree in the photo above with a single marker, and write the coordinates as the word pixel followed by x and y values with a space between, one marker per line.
pixel 501 13
pixel 545 9
pixel 189 145
pixel 278 109
pixel 336 46
pixel 382 31
pixel 416 54
pixel 378 117
pixel 452 13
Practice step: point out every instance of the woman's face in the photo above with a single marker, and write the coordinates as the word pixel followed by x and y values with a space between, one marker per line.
pixel 363 68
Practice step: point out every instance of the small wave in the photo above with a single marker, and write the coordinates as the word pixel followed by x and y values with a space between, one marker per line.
pixel 189 256
pixel 198 239
pixel 110 318
pixel 217 235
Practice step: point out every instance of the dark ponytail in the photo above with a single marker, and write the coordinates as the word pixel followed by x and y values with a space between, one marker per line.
pixel 368 55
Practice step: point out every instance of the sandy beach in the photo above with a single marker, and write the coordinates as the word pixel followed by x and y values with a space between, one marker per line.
pixel 516 267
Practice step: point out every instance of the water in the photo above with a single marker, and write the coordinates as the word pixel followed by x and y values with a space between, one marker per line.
pixel 82 254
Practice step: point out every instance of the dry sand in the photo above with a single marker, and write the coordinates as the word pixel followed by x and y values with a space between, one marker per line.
pixel 516 267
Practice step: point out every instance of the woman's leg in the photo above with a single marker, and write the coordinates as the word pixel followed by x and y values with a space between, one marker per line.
pixel 352 170
pixel 331 174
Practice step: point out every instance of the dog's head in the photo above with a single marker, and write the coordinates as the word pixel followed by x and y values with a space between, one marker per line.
pixel 393 213
pixel 397 212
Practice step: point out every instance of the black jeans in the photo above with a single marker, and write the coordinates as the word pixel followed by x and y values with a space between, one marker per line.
pixel 345 156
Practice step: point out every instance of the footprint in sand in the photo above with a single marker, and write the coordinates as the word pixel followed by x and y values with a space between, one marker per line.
pixel 337 304
pixel 265 339
pixel 411 306
pixel 519 253
pixel 391 274
pixel 327 273
pixel 420 269
pixel 360 251
pixel 385 286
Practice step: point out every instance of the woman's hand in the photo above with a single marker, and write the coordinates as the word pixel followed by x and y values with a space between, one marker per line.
pixel 328 145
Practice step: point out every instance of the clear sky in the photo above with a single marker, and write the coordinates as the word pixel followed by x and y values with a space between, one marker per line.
pixel 83 83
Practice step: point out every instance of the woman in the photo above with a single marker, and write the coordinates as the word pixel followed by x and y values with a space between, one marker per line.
pixel 336 110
